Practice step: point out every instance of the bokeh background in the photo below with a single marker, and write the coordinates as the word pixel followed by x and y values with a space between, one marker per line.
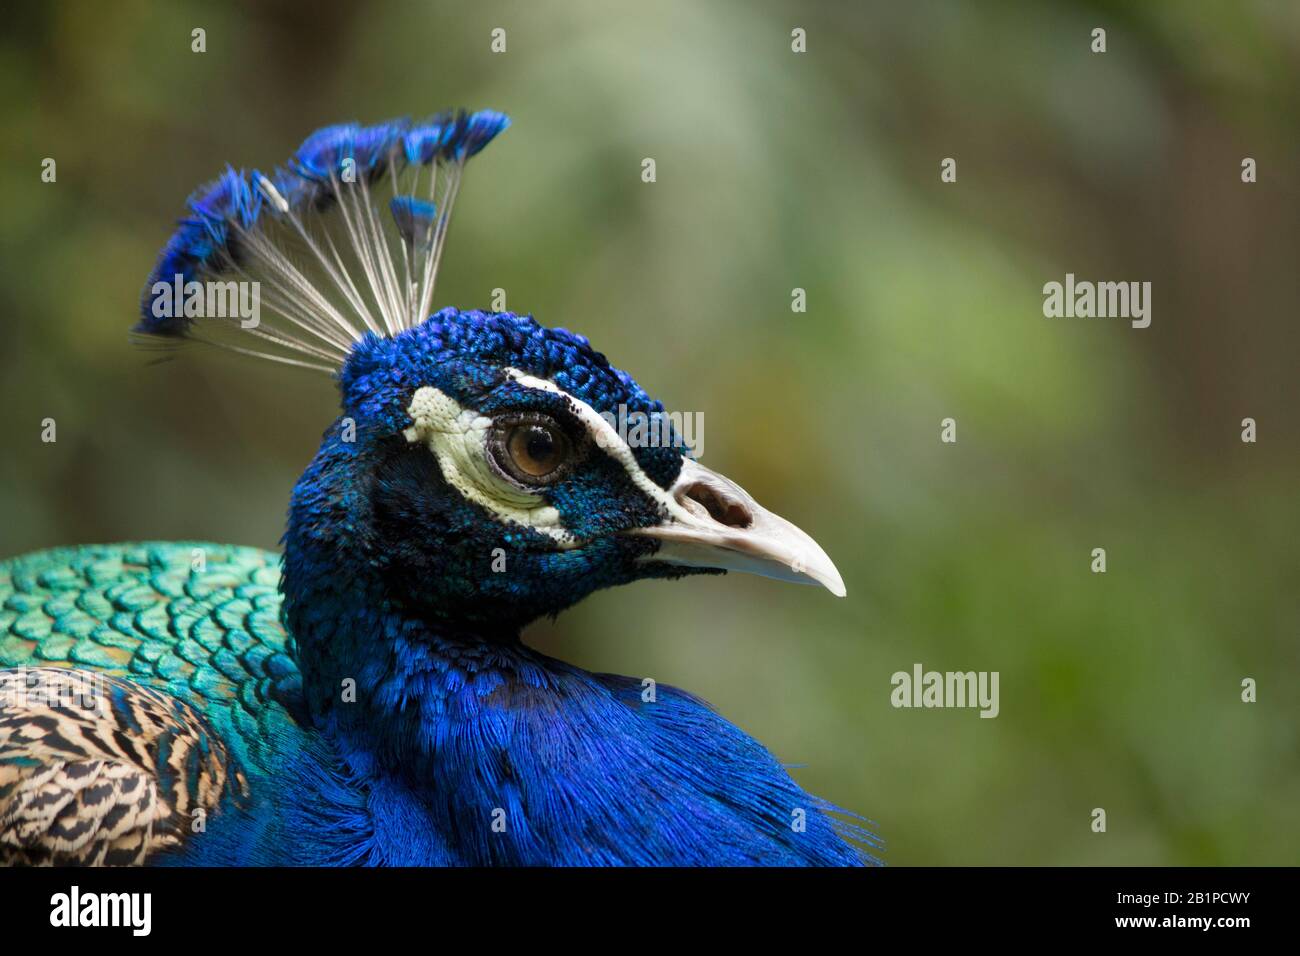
pixel 777 171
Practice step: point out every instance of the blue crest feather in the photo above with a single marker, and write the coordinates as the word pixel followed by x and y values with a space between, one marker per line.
pixel 329 282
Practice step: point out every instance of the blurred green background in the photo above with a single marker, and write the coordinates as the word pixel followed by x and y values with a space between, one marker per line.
pixel 776 171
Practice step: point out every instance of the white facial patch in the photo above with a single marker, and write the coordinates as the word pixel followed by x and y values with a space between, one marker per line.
pixel 457 438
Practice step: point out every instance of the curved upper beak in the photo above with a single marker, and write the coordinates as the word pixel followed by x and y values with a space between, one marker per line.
pixel 718 525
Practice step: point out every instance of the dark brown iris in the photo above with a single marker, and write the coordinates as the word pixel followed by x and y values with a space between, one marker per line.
pixel 532 449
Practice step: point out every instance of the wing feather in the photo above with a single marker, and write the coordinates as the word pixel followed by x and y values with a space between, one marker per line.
pixel 100 770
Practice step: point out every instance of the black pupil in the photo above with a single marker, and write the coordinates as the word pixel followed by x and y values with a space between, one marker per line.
pixel 539 444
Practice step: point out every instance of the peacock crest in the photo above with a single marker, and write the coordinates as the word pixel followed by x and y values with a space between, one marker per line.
pixel 300 264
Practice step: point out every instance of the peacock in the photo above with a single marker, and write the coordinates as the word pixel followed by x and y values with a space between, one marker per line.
pixel 364 698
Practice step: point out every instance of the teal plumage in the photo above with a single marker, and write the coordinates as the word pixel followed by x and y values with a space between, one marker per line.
pixel 142 611
pixel 198 623
pixel 211 638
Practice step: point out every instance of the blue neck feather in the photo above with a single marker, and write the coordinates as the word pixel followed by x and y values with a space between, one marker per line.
pixel 474 749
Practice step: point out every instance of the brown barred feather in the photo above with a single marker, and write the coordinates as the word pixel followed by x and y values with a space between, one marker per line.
pixel 85 760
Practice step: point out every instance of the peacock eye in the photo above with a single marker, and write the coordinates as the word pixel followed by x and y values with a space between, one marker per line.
pixel 531 449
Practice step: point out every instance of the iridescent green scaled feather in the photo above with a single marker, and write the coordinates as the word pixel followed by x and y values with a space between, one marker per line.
pixel 180 648
pixel 200 621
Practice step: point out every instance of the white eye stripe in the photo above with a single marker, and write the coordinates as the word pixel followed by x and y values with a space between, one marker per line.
pixel 457 438
pixel 609 440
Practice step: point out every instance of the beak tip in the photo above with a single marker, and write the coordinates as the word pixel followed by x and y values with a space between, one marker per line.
pixel 833 582
pixel 818 568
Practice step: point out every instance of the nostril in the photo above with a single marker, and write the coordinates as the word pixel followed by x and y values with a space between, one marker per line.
pixel 721 507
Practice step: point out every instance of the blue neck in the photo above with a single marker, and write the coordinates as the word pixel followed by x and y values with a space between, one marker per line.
pixel 468 747
pixel 486 752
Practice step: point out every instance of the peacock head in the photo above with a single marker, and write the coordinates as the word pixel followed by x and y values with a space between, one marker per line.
pixel 478 469
pixel 494 478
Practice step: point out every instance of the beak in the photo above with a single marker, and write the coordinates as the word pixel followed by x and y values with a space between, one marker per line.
pixel 716 524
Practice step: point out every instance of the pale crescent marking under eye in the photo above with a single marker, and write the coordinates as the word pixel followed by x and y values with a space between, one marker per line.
pixel 457 438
